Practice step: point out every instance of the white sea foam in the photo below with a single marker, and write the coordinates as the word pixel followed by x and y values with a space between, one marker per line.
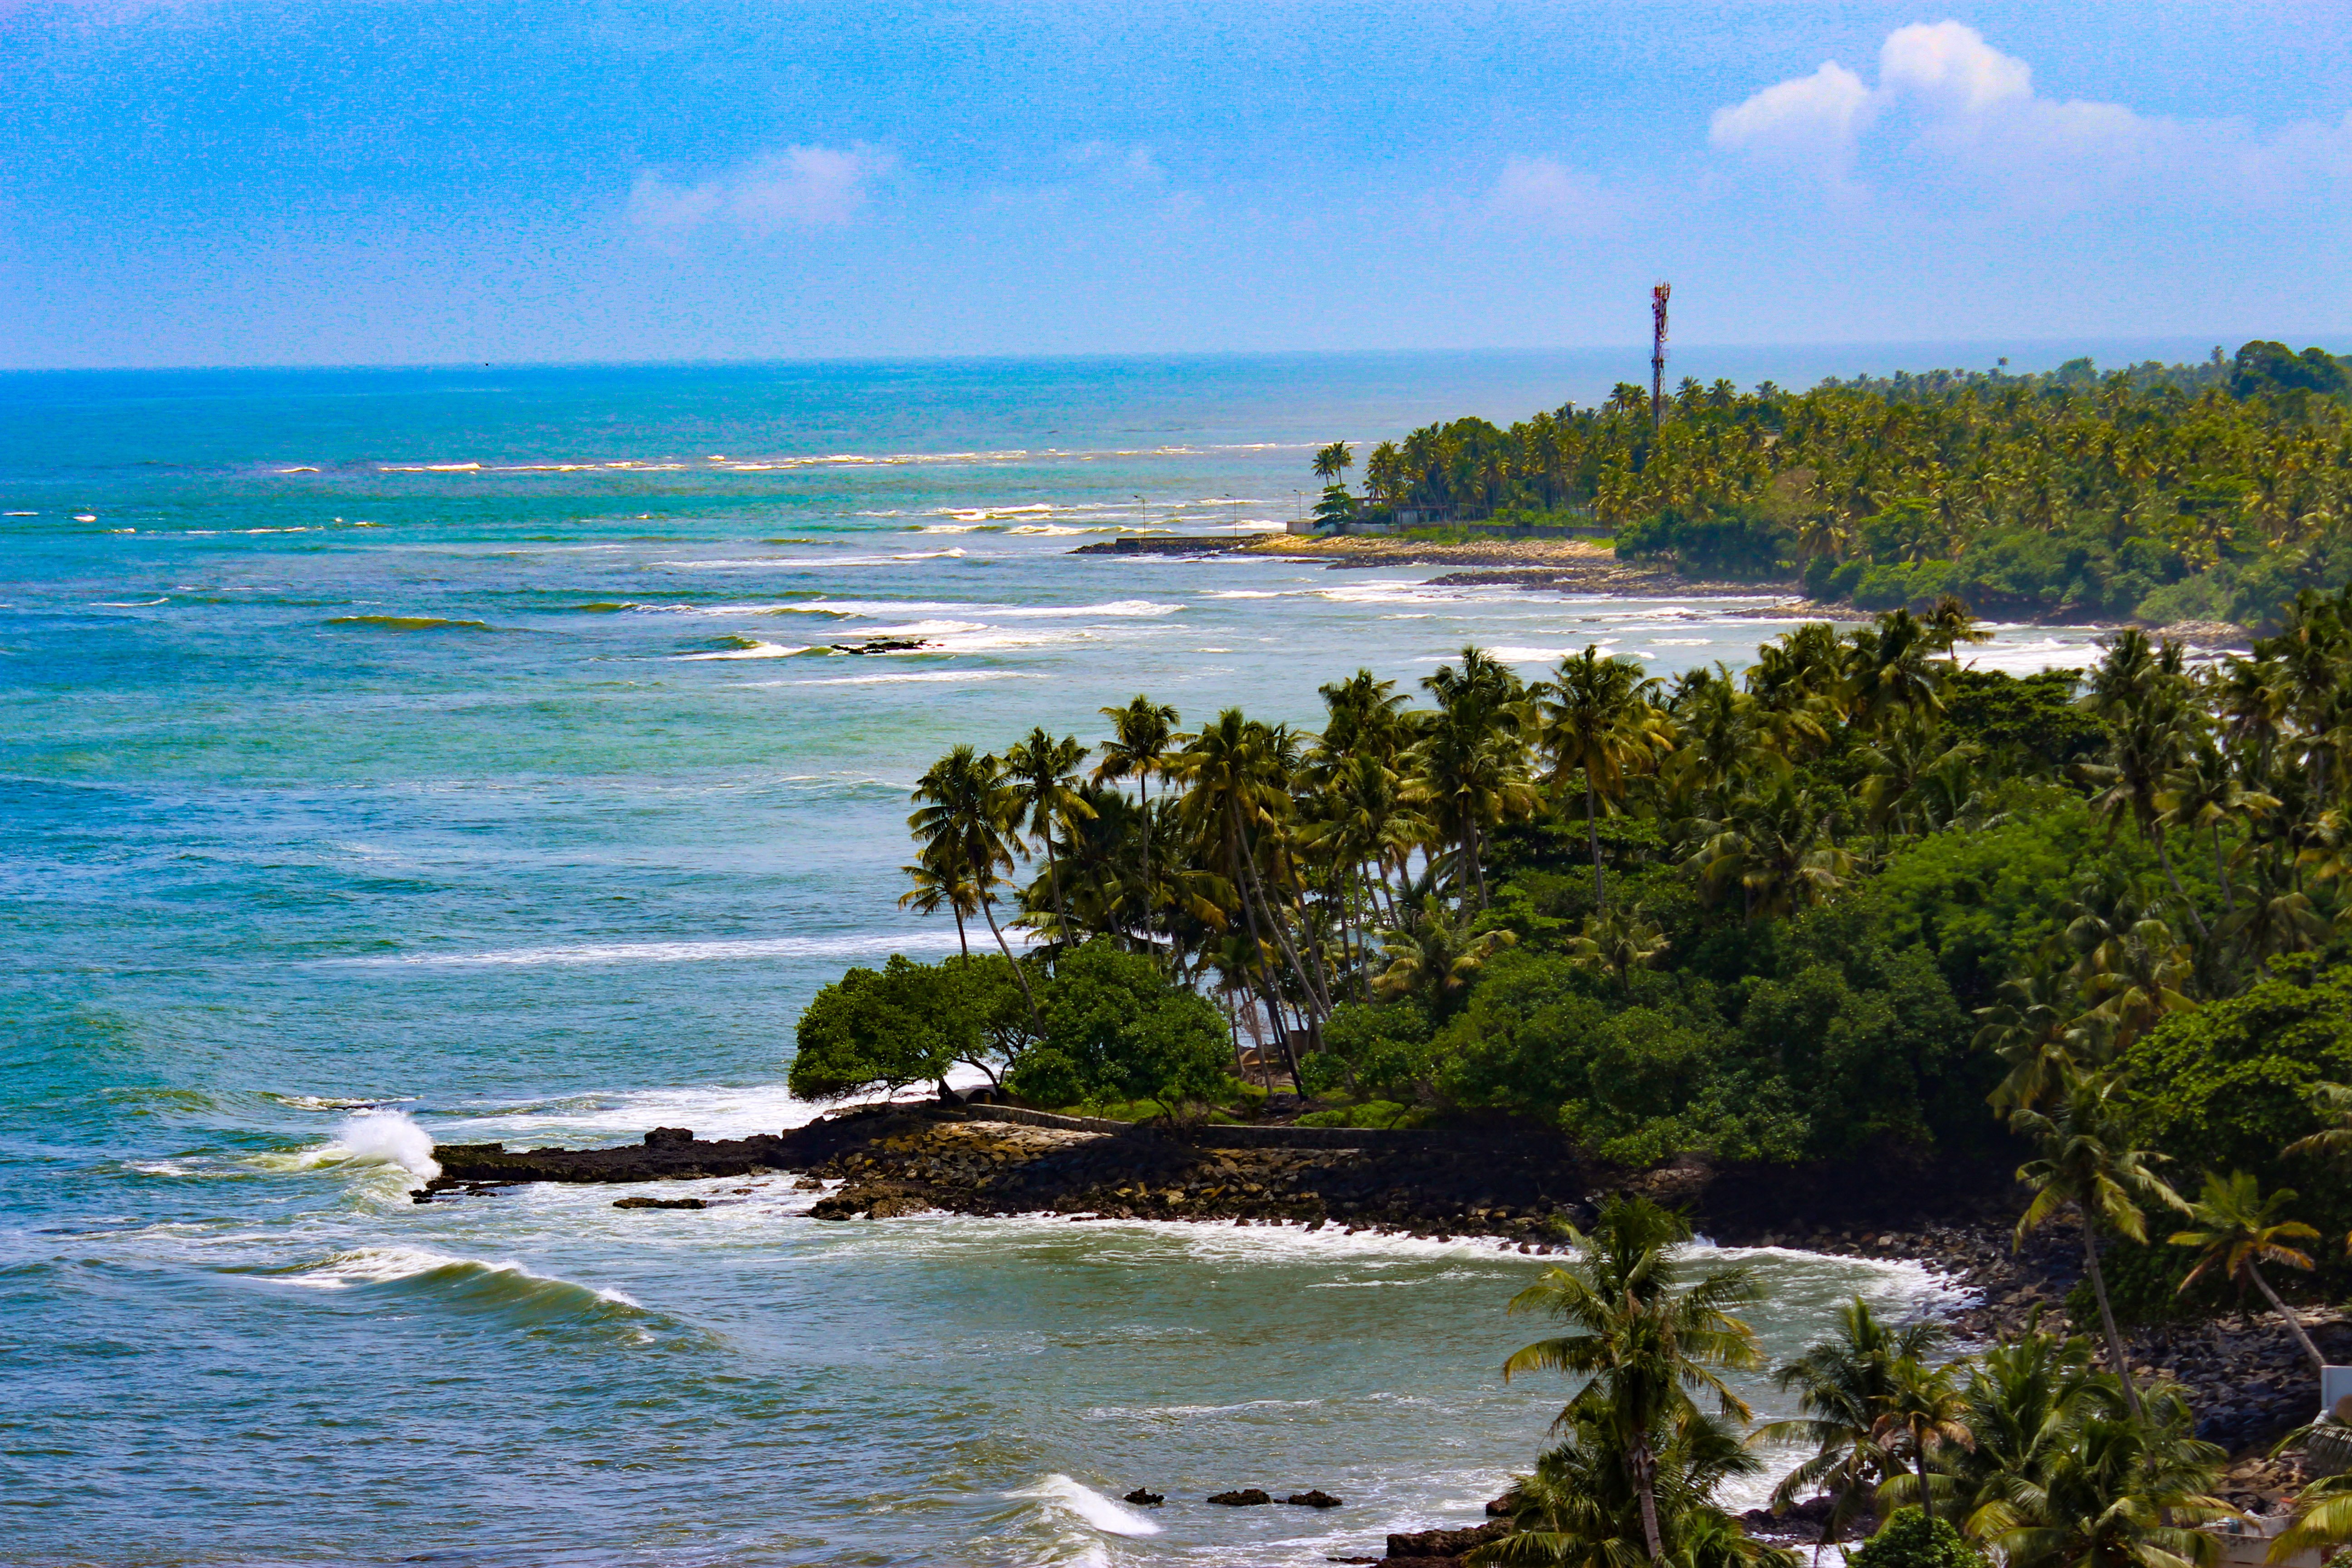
pixel 389 1265
pixel 388 1138
pixel 757 650
pixel 929 677
pixel 687 952
pixel 1061 1493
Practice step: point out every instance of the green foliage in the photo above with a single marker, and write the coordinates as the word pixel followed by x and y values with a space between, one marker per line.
pixel 1909 1538
pixel 1387 1044
pixel 908 1023
pixel 1119 1029
pixel 1738 541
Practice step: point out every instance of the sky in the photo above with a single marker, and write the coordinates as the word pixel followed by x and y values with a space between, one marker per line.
pixel 339 182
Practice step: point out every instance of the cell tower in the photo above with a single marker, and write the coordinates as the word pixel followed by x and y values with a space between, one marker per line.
pixel 1658 297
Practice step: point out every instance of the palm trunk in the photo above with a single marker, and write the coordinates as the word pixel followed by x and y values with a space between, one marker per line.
pixel 1054 874
pixel 988 909
pixel 1151 889
pixel 1644 1466
pixel 1592 836
pixel 2294 1323
pixel 2222 869
pixel 1927 1503
pixel 2116 1357
pixel 2164 858
pixel 965 947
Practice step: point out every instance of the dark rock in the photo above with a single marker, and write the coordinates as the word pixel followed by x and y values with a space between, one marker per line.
pixel 1315 1498
pixel 1249 1497
pixel 660 1203
pixel 1504 1507
pixel 1144 1499
pixel 668 1137
pixel 1444 1545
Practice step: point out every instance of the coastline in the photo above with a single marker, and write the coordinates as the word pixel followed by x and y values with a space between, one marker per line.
pixel 1518 1189
pixel 1578 566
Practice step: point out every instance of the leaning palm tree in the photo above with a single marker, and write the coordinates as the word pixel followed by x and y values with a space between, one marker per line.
pixel 964 816
pixel 1845 1386
pixel 1646 1343
pixel 1042 774
pixel 2083 1160
pixel 2239 1229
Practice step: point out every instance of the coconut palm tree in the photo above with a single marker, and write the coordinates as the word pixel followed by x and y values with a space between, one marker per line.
pixel 1142 734
pixel 1332 461
pixel 1596 718
pixel 945 883
pixel 964 816
pixel 1619 942
pixel 1436 957
pixel 1845 1386
pixel 1648 1345
pixel 2121 1494
pixel 2238 1229
pixel 1925 1410
pixel 2083 1160
pixel 1042 774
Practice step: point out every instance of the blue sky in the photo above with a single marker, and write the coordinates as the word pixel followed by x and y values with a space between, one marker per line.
pixel 378 181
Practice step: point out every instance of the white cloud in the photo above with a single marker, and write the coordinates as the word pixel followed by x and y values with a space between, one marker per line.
pixel 797 188
pixel 1965 112
pixel 1542 190
pixel 1948 62
pixel 1810 120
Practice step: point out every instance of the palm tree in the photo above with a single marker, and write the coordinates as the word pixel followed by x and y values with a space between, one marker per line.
pixel 1845 1386
pixel 2037 1027
pixel 1925 1410
pixel 1467 763
pixel 965 812
pixel 1645 1345
pixel 1949 625
pixel 1042 774
pixel 1435 956
pixel 1142 735
pixel 1777 848
pixel 2083 1159
pixel 1620 943
pixel 1596 717
pixel 944 884
pixel 2121 1494
pixel 1332 461
pixel 2027 1400
pixel 2239 1230
pixel 2204 792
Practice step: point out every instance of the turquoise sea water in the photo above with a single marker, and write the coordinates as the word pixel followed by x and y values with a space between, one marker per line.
pixel 469 743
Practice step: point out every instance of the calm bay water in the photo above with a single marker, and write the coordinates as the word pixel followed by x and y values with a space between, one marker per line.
pixel 469 743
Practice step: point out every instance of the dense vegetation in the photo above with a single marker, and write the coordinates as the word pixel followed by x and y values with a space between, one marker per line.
pixel 1856 902
pixel 2166 493
pixel 1824 910
pixel 2028 1452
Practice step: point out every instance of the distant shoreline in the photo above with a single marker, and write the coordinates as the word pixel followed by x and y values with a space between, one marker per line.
pixel 1570 566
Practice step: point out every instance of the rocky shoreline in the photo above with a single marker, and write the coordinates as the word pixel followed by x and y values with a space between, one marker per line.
pixel 2244 1374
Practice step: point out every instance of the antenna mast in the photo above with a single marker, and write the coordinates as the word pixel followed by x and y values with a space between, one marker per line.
pixel 1658 297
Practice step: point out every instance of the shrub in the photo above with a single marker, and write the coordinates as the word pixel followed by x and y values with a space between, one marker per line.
pixel 1909 1538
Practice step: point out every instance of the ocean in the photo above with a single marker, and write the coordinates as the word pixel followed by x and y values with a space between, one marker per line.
pixel 463 754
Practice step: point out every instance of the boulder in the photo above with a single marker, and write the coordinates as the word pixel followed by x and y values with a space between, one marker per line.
pixel 1144 1499
pixel 1248 1497
pixel 1315 1498
pixel 668 1137
pixel 1444 1545
pixel 660 1203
